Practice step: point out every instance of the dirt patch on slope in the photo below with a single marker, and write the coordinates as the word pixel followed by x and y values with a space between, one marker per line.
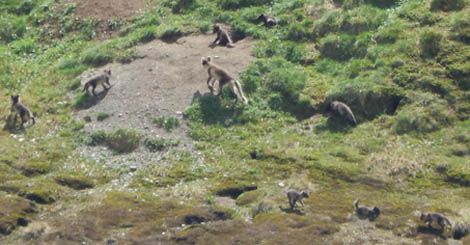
pixel 104 11
pixel 163 82
pixel 109 9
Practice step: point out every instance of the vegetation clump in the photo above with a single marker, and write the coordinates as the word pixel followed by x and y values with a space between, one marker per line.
pixel 102 116
pixel 248 197
pixel 423 113
pixel 169 123
pixel 447 5
pixel 97 55
pixel 458 172
pixel 389 34
pixel 159 144
pixel 83 101
pixel 460 24
pixel 429 42
pixel 237 4
pixel 97 138
pixel 171 34
pixel 123 140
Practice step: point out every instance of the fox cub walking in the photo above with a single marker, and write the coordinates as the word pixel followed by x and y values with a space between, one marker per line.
pixel 101 79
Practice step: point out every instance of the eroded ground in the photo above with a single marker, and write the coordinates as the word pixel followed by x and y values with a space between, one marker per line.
pixel 163 82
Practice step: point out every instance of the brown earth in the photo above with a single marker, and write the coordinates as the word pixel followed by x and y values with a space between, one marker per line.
pixel 109 9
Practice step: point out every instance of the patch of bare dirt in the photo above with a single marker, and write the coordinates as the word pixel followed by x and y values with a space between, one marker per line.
pixel 163 83
pixel 109 9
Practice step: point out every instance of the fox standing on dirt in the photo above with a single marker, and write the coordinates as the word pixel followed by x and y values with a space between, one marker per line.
pixel 100 79
pixel 217 73
pixel 366 212
pixel 19 108
pixel 344 111
pixel 222 36
pixel 439 218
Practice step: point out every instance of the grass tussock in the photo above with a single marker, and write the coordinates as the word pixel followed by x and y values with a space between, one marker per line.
pixel 123 140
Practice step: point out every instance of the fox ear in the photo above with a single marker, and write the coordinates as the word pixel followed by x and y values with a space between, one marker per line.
pixel 209 58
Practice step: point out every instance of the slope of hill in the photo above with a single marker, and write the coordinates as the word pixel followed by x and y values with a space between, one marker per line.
pixel 157 159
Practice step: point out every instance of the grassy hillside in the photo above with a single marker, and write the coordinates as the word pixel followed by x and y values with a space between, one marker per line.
pixel 402 66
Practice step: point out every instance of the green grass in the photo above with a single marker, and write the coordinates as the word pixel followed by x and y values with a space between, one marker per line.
pixel 123 140
pixel 159 144
pixel 402 67
pixel 460 26
pixel 430 43
pixel 448 5
pixel 102 116
pixel 97 138
pixel 169 123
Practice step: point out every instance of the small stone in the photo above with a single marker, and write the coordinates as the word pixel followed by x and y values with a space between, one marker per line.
pixel 179 113
pixel 110 241
pixel 133 168
pixel 281 184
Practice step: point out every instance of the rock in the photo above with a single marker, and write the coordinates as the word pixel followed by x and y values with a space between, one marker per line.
pixel 133 168
pixel 459 230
